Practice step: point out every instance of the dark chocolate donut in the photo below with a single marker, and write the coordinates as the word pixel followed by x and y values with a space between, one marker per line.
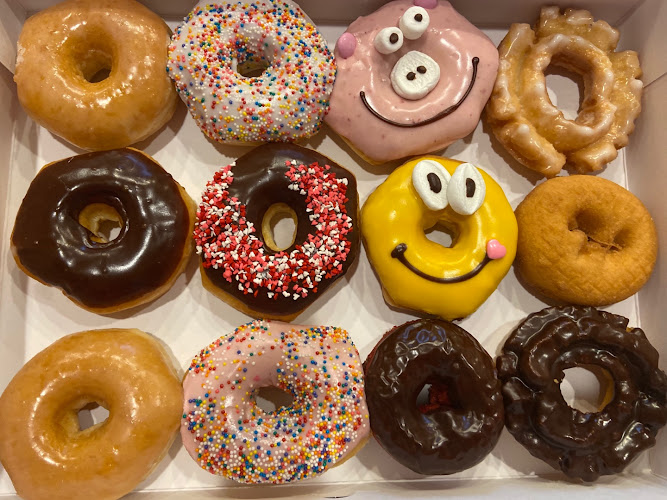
pixel 51 245
pixel 582 445
pixel 463 419
pixel 236 259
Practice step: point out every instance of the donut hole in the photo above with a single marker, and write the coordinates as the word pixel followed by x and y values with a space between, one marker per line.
pixel 437 394
pixel 443 234
pixel 565 89
pixel 270 399
pixel 591 223
pixel 103 221
pixel 587 388
pixel 91 53
pixel 252 68
pixel 279 226
pixel 91 415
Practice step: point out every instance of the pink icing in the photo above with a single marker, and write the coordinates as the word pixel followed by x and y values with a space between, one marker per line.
pixel 346 45
pixel 327 419
pixel 452 42
pixel 427 4
pixel 495 250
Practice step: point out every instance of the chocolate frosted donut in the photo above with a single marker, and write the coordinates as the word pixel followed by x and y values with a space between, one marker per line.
pixel 56 237
pixel 582 445
pixel 242 264
pixel 463 418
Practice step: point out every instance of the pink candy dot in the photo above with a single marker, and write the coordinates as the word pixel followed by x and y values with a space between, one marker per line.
pixel 427 4
pixel 346 45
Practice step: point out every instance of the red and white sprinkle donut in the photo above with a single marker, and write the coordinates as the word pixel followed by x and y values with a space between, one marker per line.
pixel 239 262
pixel 229 435
pixel 217 42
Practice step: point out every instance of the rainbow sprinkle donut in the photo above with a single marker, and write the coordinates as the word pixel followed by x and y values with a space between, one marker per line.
pixel 218 44
pixel 229 435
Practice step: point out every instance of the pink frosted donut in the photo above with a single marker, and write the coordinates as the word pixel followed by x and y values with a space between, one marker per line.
pixel 415 73
pixel 229 435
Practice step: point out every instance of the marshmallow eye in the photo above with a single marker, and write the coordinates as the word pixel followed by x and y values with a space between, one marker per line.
pixel 430 180
pixel 388 40
pixel 466 190
pixel 414 22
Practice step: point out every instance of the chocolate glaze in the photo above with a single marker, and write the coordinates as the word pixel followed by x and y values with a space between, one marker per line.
pixel 436 438
pixel 259 182
pixel 439 116
pixel 582 445
pixel 50 243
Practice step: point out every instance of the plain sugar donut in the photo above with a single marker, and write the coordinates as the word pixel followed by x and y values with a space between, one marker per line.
pixel 41 445
pixel 585 240
pixel 65 49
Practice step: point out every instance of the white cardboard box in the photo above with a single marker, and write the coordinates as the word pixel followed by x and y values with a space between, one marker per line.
pixel 32 316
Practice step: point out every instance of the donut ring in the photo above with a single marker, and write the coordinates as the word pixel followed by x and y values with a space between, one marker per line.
pixel 42 447
pixel 326 423
pixel 524 119
pixel 219 43
pixel 582 445
pixel 61 50
pixel 464 417
pixel 57 239
pixel 241 263
pixel 585 240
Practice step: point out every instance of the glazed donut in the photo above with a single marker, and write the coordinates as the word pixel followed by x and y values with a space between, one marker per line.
pixel 59 240
pixel 216 53
pixel 585 240
pixel 463 419
pixel 417 273
pixel 582 445
pixel 416 73
pixel 64 55
pixel 43 448
pixel 227 434
pixel 524 119
pixel 242 265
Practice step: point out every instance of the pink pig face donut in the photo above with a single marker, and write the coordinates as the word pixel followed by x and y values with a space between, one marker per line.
pixel 413 77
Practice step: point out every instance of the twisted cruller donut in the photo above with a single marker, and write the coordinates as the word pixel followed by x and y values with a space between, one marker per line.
pixel 523 117
pixel 63 50
pixel 582 445
pixel 42 447
pixel 327 422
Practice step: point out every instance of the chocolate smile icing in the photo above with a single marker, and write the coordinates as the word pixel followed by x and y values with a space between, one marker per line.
pixel 399 253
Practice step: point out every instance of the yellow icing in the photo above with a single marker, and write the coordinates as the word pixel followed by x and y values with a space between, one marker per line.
pixel 394 213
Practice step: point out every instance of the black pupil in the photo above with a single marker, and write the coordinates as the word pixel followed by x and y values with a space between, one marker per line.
pixel 410 76
pixel 470 188
pixel 421 69
pixel 434 182
pixel 418 18
pixel 393 38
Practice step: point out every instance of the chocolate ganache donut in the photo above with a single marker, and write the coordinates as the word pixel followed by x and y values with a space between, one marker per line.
pixel 582 445
pixel 463 419
pixel 241 262
pixel 59 237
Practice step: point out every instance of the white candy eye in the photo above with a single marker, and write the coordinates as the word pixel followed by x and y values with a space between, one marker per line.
pixel 430 180
pixel 414 22
pixel 466 190
pixel 388 40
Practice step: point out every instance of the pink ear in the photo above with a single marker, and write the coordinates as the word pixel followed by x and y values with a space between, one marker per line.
pixel 427 4
pixel 346 45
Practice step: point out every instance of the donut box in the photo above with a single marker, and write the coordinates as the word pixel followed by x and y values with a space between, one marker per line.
pixel 187 317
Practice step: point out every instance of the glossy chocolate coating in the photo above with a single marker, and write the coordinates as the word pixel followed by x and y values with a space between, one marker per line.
pixel 449 438
pixel 50 243
pixel 259 182
pixel 582 445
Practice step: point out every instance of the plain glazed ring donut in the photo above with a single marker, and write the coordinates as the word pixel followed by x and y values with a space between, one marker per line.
pixel 228 434
pixel 582 445
pixel 215 57
pixel 463 419
pixel 59 237
pixel 42 446
pixel 92 72
pixel 585 240
pixel 524 119
pixel 241 263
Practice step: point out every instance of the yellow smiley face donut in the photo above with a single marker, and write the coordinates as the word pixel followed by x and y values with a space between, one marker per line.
pixel 417 273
